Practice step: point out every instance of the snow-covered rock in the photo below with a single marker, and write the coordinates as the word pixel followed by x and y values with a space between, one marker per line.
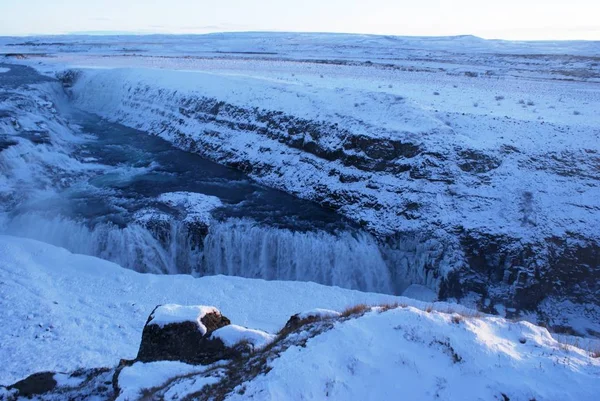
pixel 318 314
pixel 233 334
pixel 183 333
pixel 197 207
pixel 169 314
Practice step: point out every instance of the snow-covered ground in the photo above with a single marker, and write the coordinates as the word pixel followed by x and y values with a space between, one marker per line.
pixel 62 311
pixel 408 353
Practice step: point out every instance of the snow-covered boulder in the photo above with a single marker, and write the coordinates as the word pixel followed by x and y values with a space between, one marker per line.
pixel 183 333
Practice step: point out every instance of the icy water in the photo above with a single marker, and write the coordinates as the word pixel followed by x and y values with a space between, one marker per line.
pixel 146 166
pixel 258 232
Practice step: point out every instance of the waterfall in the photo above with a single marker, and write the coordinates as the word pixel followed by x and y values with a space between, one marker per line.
pixel 134 246
pixel 243 248
pixel 233 247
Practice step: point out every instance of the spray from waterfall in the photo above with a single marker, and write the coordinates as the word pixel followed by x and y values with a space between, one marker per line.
pixel 244 248
pixel 234 247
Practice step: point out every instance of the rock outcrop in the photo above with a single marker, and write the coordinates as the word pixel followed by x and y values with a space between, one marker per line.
pixel 183 333
pixel 37 383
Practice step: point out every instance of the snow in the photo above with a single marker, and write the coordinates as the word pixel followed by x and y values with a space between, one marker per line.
pixel 420 292
pixel 179 390
pixel 233 334
pixel 66 380
pixel 359 99
pixel 534 106
pixel 197 206
pixel 172 313
pixel 134 379
pixel 62 311
pixel 68 311
pixel 418 355
pixel 319 313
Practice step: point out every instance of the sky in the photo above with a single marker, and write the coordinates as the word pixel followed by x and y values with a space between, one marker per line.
pixel 503 19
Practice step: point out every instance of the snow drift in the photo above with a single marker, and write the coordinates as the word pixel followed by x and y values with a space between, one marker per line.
pixel 403 347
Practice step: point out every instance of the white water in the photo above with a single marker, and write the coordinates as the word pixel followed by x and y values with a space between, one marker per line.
pixel 133 246
pixel 420 260
pixel 241 248
pixel 235 247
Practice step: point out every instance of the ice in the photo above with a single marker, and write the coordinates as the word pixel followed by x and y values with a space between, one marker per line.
pixel 420 292
pixel 243 248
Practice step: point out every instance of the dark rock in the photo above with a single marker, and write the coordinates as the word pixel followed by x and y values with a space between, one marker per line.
pixel 477 162
pixel 68 78
pixel 37 383
pixel 506 270
pixel 6 143
pixel 184 341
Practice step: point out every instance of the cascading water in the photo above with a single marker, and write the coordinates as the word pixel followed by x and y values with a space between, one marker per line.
pixel 244 248
pixel 85 187
pixel 133 246
pixel 234 247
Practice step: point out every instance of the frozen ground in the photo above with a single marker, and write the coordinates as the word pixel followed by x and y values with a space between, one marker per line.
pixel 62 311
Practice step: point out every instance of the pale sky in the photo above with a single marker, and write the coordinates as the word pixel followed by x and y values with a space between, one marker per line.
pixel 504 19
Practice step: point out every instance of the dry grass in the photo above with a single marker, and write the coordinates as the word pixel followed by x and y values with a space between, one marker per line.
pixel 355 310
pixel 394 305
pixel 590 346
